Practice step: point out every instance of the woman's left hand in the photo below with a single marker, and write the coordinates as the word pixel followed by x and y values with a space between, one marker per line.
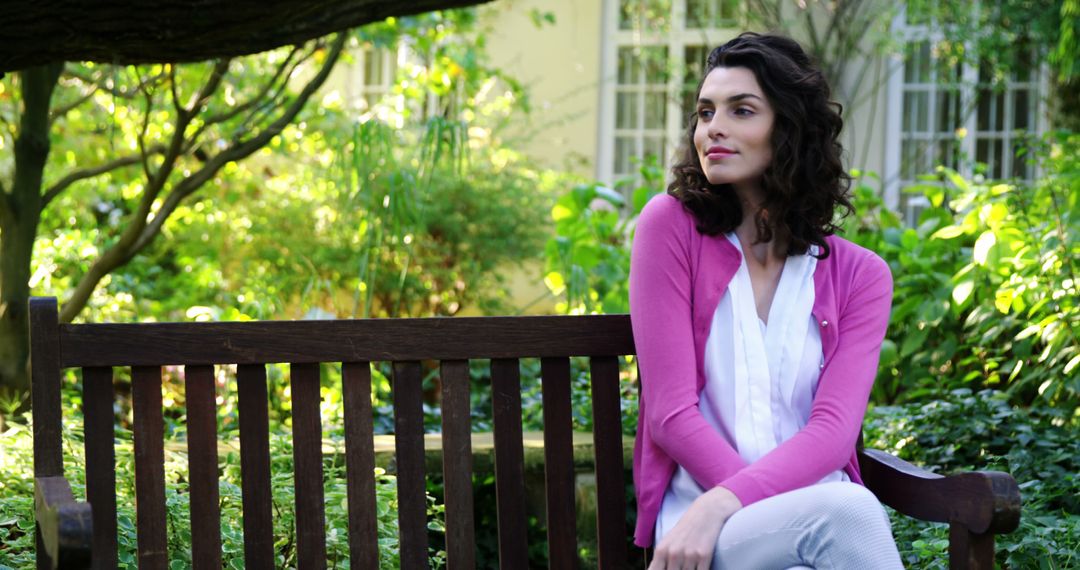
pixel 690 545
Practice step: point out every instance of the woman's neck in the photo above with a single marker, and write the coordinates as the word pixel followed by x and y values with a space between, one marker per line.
pixel 765 253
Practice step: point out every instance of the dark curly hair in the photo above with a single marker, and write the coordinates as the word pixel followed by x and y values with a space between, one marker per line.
pixel 805 183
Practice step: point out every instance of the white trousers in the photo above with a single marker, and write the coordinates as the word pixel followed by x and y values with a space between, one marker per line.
pixel 837 525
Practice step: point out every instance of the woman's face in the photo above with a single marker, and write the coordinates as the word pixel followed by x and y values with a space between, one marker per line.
pixel 734 129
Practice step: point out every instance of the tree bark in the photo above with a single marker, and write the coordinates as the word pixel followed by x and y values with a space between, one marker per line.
pixel 167 31
pixel 19 217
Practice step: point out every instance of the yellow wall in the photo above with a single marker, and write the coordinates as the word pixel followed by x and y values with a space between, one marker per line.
pixel 559 64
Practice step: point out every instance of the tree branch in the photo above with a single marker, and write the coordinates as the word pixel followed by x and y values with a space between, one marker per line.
pixel 62 111
pixel 258 97
pixel 141 139
pixel 141 232
pixel 5 204
pixel 260 111
pixel 240 150
pixel 93 171
pixel 97 83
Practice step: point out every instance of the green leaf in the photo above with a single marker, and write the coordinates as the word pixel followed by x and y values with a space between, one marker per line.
pixel 948 232
pixel 962 292
pixel 959 181
pixel 1003 300
pixel 914 341
pixel 983 245
pixel 610 195
pixel 1073 363
pixel 1031 330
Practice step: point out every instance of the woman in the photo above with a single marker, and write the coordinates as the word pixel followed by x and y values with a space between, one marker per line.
pixel 757 332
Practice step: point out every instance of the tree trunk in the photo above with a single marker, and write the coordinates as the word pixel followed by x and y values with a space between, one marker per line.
pixel 18 226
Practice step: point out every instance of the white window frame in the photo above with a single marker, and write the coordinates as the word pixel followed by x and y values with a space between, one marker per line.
pixel 675 41
pixel 893 177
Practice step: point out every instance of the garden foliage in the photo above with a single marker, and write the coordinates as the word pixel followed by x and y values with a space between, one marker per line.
pixel 986 285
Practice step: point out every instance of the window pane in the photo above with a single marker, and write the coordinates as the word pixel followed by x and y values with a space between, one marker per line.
pixel 628 67
pixel 948 111
pixel 1021 110
pixel 694 64
pixel 729 12
pixel 1020 166
pixel 1024 63
pixel 624 151
pixel 372 68
pixel 948 153
pixel 698 14
pixel 654 60
pixel 991 111
pixel 947 57
pixel 654 147
pixel 917 63
pixel 711 13
pixel 914 159
pixel 693 67
pixel 988 153
pixel 626 114
pixel 655 110
pixel 915 112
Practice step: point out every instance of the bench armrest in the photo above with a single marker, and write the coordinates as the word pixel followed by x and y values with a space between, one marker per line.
pixel 64 525
pixel 981 501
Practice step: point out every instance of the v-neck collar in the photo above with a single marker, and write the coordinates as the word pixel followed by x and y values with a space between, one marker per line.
pixel 783 285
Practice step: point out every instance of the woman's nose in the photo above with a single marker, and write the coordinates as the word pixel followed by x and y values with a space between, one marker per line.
pixel 716 128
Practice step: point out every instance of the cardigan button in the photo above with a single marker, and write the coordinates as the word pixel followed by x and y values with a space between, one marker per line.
pixel 824 323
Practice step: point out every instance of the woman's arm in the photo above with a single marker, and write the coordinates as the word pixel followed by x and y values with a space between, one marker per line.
pixel 827 441
pixel 662 317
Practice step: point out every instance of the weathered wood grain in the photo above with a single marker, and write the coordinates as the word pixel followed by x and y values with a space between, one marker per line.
pixel 257 342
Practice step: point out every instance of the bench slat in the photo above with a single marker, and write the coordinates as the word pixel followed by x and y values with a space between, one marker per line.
pixel 45 365
pixel 559 464
pixel 509 462
pixel 200 394
pixel 353 340
pixel 307 466
pixel 360 464
pixel 149 434
pixel 607 440
pixel 409 447
pixel 255 466
pixel 98 396
pixel 457 465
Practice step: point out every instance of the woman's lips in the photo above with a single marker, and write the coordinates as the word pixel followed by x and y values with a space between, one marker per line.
pixel 718 152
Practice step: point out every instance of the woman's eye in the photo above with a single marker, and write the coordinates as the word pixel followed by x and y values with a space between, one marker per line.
pixel 705 113
pixel 743 112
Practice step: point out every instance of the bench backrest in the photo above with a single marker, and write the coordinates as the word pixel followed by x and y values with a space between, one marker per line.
pixel 198 347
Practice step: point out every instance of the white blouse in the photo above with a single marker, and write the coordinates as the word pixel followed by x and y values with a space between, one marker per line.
pixel 759 380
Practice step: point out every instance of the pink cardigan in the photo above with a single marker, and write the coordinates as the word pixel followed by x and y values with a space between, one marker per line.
pixel 677 276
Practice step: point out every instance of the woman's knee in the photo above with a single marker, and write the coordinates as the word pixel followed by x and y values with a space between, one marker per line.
pixel 851 504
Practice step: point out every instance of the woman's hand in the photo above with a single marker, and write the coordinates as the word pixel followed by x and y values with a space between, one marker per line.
pixel 690 545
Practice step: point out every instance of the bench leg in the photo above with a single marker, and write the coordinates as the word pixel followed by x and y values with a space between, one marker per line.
pixel 969 550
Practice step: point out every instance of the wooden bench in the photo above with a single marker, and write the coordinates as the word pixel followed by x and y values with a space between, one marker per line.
pixel 75 534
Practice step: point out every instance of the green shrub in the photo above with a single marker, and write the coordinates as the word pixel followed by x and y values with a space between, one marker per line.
pixel 966 431
pixel 986 286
